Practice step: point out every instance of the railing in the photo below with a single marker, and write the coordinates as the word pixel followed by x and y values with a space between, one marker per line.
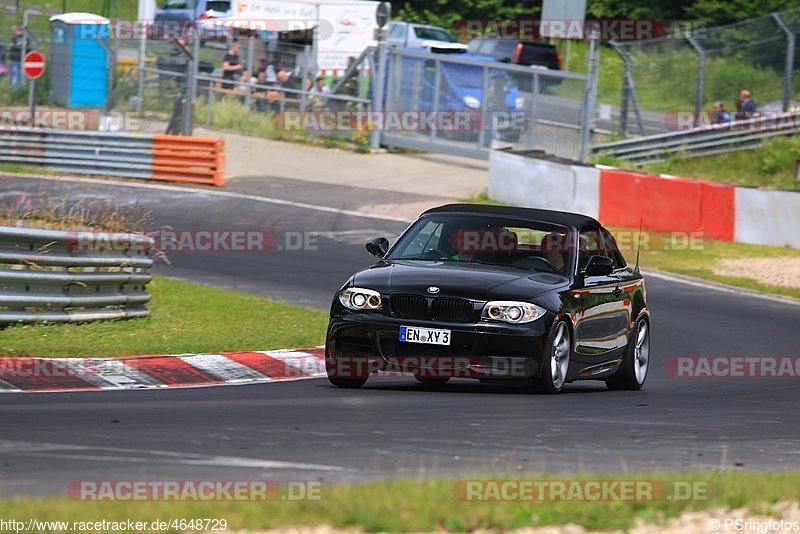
pixel 155 157
pixel 62 277
pixel 716 139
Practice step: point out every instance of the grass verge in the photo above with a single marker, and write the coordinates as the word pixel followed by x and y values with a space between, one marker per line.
pixel 234 116
pixel 667 253
pixel 698 258
pixel 185 318
pixel 431 504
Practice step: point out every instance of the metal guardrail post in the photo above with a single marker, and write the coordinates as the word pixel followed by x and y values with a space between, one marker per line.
pixel 437 91
pixel 482 131
pixel 626 74
pixel 111 64
pixel 209 103
pixel 590 98
pixel 379 89
pixel 304 75
pixel 251 51
pixel 533 112
pixel 191 88
pixel 701 74
pixel 789 63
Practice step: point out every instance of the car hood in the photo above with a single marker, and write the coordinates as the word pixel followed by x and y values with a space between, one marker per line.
pixel 455 279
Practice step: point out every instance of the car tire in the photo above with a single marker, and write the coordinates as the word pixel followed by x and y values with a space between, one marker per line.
pixel 348 383
pixel 342 382
pixel 432 381
pixel 555 363
pixel 633 371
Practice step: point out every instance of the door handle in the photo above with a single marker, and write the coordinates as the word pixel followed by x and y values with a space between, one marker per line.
pixel 617 292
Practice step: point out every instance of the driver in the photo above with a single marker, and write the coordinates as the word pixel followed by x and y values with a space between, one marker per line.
pixel 467 243
pixel 551 247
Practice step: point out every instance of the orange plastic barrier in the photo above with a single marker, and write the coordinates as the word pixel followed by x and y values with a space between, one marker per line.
pixel 666 204
pixel 189 159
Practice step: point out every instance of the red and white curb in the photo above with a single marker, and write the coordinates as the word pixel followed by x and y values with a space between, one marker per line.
pixel 156 372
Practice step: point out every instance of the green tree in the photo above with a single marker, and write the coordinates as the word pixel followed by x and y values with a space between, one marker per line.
pixel 727 11
pixel 446 13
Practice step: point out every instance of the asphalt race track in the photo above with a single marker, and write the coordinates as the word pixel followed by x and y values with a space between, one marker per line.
pixel 308 430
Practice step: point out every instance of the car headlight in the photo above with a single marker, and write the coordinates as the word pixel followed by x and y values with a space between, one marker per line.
pixel 356 298
pixel 519 102
pixel 472 102
pixel 509 311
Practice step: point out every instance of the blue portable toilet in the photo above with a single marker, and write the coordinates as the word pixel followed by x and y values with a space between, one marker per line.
pixel 78 60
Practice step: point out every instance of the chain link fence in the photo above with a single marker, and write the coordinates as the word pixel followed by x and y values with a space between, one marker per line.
pixel 474 105
pixel 690 71
pixel 35 34
pixel 500 104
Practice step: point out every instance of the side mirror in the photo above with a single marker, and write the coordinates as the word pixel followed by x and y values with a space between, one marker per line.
pixel 378 247
pixel 599 266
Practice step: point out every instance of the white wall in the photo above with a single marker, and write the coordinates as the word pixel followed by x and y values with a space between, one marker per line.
pixel 536 183
pixel 766 217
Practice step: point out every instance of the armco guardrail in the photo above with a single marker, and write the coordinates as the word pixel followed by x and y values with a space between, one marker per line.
pixel 51 276
pixel 156 157
pixel 715 139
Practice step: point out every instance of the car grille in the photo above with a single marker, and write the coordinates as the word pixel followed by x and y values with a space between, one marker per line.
pixel 409 307
pixel 439 309
pixel 452 310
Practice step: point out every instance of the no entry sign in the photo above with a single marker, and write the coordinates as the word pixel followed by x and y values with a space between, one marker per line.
pixel 33 65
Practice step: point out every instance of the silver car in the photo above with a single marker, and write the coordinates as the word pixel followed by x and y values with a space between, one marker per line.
pixel 412 35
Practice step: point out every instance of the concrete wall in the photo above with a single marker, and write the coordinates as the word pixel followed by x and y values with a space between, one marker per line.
pixel 766 217
pixel 538 183
pixel 664 204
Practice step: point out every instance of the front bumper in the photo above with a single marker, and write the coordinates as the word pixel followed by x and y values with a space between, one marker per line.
pixel 361 343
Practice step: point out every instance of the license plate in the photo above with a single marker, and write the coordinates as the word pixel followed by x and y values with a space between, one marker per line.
pixel 431 336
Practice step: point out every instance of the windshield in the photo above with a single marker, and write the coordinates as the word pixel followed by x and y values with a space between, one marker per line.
pixel 177 4
pixel 488 240
pixel 464 75
pixel 218 5
pixel 435 34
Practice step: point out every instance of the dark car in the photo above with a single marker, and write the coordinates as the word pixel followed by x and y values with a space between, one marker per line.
pixel 536 54
pixel 525 53
pixel 527 296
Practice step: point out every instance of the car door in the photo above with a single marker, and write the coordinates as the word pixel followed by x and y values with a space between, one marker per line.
pixel 601 322
pixel 630 282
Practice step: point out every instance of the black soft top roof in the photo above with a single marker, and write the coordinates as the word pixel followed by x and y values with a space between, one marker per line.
pixel 563 218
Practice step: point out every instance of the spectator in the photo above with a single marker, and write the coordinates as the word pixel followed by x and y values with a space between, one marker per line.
pixel 272 73
pixel 350 61
pixel 745 106
pixel 288 82
pixel 320 88
pixel 720 115
pixel 318 91
pixel 244 80
pixel 15 55
pixel 231 66
pixel 260 92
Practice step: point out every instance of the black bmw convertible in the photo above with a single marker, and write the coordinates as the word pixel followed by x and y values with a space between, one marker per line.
pixel 500 294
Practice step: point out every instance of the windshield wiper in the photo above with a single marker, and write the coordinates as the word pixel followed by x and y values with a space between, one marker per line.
pixel 509 265
pixel 421 258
